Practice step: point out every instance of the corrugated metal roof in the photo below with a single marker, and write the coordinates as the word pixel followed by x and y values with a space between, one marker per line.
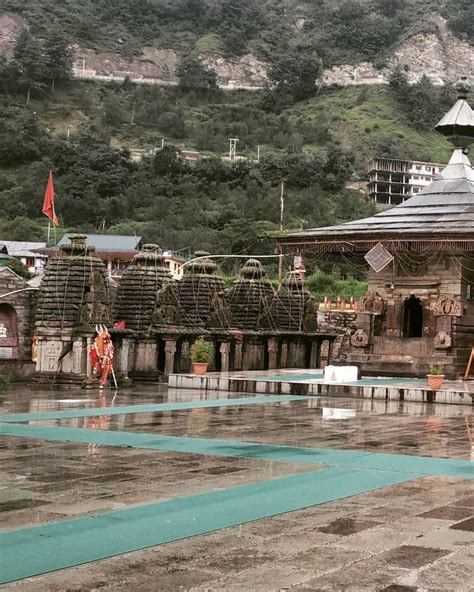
pixel 109 242
pixel 22 248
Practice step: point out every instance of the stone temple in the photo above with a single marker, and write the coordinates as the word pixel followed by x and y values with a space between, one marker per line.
pixel 419 309
pixel 154 319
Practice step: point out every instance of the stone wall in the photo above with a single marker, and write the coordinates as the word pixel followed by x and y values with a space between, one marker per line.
pixel 16 332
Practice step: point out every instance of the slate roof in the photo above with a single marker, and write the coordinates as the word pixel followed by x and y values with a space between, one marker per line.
pixel 116 243
pixel 442 211
pixel 22 248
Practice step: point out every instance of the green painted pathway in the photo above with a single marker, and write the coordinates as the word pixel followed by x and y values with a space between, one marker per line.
pixel 360 459
pixel 149 408
pixel 32 551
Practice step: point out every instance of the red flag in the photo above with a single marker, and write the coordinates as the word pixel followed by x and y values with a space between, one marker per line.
pixel 48 203
pixel 119 325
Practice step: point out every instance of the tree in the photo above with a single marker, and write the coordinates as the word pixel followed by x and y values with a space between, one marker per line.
pixel 28 63
pixel 17 266
pixel 194 75
pixel 295 73
pixel 58 59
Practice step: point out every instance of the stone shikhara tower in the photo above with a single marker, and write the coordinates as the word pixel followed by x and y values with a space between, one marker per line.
pixel 72 300
pixel 419 309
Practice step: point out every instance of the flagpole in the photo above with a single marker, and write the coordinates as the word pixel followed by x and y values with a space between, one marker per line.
pixel 49 231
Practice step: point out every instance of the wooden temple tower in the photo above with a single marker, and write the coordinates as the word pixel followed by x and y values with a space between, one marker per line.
pixel 419 309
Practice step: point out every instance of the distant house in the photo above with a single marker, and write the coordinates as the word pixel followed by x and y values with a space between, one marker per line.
pixel 174 263
pixel 115 250
pixel 27 253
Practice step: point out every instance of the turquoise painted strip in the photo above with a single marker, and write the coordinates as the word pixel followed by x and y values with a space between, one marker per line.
pixel 149 408
pixel 205 446
pixel 358 459
pixel 463 469
pixel 32 551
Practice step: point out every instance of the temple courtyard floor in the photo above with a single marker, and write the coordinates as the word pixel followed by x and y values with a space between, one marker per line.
pixel 156 488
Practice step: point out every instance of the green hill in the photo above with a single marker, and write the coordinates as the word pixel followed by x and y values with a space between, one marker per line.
pixel 340 31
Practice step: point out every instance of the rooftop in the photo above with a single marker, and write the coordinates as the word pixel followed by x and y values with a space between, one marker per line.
pixel 443 211
pixel 22 248
pixel 109 242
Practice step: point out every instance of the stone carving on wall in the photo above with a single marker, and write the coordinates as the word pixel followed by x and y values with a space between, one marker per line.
pixel 310 320
pixel 372 303
pixel 220 311
pixel 3 330
pixel 448 305
pixel 442 340
pixel 167 309
pixel 360 338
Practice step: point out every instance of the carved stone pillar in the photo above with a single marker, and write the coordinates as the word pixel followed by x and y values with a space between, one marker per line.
pixel 314 357
pixel 78 364
pixel 284 355
pixel 123 358
pixel 238 355
pixel 184 358
pixel 225 351
pixel 89 342
pixel 170 350
pixel 272 346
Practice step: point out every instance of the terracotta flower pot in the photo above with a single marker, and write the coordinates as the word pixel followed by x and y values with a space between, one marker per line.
pixel 200 368
pixel 435 381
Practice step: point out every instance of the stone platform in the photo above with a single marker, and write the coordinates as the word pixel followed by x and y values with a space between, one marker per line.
pixel 311 382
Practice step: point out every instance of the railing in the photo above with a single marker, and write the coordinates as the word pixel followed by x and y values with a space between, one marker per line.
pixel 338 305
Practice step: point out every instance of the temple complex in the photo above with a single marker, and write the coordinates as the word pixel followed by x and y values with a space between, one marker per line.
pixel 419 309
pixel 154 319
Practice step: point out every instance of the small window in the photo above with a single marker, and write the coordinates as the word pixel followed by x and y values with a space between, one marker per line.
pixel 418 167
pixel 428 169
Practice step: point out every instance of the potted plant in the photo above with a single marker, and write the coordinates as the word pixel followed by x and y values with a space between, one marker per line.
pixel 201 354
pixel 435 377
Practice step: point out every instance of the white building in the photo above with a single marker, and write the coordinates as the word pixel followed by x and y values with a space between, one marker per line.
pixel 24 251
pixel 392 181
pixel 175 264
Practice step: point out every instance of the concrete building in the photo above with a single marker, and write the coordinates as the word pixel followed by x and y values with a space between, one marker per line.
pixel 392 181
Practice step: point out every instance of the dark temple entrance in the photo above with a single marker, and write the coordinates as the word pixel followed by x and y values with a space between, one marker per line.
pixel 412 317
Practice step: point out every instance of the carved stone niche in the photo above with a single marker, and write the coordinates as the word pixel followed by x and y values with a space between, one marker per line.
pixel 442 340
pixel 448 305
pixel 372 303
pixel 360 338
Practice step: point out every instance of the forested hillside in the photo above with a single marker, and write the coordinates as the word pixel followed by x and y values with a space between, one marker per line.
pixel 315 140
pixel 339 31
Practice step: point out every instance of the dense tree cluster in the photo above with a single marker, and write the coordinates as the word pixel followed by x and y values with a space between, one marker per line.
pixel 36 63
pixel 423 103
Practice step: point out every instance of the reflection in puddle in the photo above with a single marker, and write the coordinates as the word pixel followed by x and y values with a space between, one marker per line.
pixel 336 413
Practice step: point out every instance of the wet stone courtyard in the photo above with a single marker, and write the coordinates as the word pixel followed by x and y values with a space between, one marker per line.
pixel 159 489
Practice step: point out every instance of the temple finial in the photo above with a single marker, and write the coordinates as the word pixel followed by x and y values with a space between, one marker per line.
pixel 463 87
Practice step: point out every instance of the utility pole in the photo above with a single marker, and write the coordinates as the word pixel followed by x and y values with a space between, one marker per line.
pixel 258 154
pixel 232 148
pixel 280 259
pixel 132 119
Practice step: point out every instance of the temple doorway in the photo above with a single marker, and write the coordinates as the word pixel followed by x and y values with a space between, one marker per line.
pixel 412 315
pixel 8 332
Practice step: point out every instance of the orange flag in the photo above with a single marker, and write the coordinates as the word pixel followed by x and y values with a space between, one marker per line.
pixel 48 203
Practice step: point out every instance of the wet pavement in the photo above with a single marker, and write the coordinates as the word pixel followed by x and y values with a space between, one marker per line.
pixel 416 534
